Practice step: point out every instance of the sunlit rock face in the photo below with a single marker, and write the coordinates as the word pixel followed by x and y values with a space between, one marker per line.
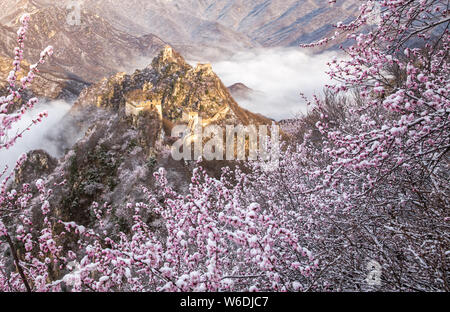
pixel 172 88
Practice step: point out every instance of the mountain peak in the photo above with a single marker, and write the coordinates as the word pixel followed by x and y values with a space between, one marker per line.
pixel 168 60
pixel 206 69
pixel 176 87
pixel 167 52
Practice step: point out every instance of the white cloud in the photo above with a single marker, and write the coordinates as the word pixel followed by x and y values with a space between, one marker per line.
pixel 41 136
pixel 281 73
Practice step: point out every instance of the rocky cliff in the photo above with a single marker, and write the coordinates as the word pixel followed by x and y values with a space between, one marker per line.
pixel 120 151
pixel 175 85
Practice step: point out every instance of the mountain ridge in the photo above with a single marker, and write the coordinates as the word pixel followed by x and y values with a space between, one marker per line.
pixel 267 23
pixel 83 54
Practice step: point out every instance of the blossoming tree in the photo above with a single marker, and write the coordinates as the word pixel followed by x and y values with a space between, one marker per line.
pixel 362 189
pixel 10 115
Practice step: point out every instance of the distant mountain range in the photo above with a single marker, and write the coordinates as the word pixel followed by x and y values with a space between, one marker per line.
pixel 267 23
pixel 218 24
pixel 116 35
pixel 278 22
pixel 83 54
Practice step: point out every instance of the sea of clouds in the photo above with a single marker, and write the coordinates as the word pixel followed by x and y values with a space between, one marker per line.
pixel 44 135
pixel 278 75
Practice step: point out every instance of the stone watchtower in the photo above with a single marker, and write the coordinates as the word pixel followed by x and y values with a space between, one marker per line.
pixel 138 101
